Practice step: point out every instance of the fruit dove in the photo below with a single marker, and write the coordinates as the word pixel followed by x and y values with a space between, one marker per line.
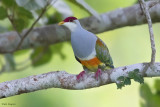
pixel 88 49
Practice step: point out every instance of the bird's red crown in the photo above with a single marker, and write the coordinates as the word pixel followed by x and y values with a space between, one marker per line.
pixel 69 19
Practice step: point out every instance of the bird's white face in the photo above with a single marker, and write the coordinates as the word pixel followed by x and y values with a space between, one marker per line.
pixel 71 25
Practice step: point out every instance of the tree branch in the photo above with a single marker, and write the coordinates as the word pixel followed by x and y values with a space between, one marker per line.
pixel 146 13
pixel 61 79
pixel 52 34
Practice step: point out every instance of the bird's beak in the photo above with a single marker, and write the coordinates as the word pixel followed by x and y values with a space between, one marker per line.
pixel 61 23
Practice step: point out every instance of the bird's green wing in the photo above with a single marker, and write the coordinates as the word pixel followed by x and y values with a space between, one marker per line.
pixel 102 53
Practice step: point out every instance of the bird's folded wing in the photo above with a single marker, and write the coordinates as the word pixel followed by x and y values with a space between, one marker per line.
pixel 102 53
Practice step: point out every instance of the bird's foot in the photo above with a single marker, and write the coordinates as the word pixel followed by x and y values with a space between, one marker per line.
pixel 98 74
pixel 80 76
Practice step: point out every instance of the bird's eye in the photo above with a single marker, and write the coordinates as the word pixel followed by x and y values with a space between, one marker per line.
pixel 71 20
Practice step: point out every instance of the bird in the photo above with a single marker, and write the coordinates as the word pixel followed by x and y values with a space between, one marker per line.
pixel 89 50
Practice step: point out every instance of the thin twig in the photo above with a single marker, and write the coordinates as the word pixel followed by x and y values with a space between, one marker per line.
pixel 30 29
pixel 148 18
pixel 157 2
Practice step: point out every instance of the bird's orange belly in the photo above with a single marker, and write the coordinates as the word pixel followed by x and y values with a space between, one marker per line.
pixel 91 64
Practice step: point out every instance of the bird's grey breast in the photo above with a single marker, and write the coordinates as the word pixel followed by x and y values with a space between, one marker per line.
pixel 83 43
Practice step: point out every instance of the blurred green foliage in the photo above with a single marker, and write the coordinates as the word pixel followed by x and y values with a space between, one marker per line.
pixel 21 14
pixel 3 12
pixel 149 97
pixel 127 45
pixel 41 55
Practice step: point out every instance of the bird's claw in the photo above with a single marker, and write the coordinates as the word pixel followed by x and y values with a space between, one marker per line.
pixel 98 74
pixel 80 76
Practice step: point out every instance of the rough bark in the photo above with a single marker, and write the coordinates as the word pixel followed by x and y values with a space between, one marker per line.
pixel 61 79
pixel 52 34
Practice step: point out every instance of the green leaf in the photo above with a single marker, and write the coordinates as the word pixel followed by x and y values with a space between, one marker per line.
pixel 40 56
pixel 20 24
pixel 145 92
pixel 123 81
pixel 3 13
pixel 21 18
pixel 157 85
pixel 57 49
pixel 150 99
pixel 54 18
pixel 156 101
pixel 136 76
pixel 8 3
pixel 126 80
pixel 119 85
pixel 23 13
